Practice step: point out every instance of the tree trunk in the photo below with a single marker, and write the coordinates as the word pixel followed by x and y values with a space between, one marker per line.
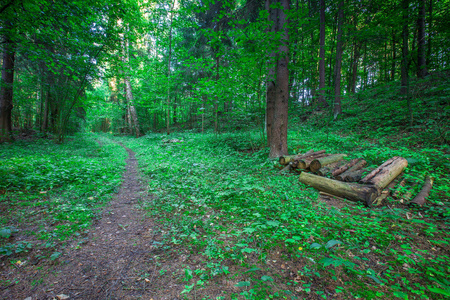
pixel 337 109
pixel 405 65
pixel 322 102
pixel 430 31
pixel 6 90
pixel 352 191
pixel 278 85
pixel 168 70
pixel 318 163
pixel 384 174
pixel 405 34
pixel 132 114
pixel 132 109
pixel 421 58
pixel 394 54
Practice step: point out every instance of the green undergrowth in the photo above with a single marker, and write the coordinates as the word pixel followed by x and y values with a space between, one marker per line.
pixel 50 192
pixel 272 237
pixel 381 113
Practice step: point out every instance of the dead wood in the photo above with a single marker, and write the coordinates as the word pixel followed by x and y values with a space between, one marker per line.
pixel 421 197
pixel 351 191
pixel 318 163
pixel 384 174
pixel 354 173
pixel 342 169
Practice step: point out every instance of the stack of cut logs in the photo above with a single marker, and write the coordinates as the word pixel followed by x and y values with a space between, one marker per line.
pixel 348 181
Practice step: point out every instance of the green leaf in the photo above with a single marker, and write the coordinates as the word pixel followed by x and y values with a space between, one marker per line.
pixel 375 279
pixel 55 255
pixel 243 283
pixel 273 223
pixel 440 291
pixel 253 270
pixel 266 278
pixel 248 250
pixel 5 232
pixel 315 246
pixel 332 243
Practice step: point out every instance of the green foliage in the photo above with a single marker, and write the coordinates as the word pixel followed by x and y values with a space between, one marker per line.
pixel 55 188
pixel 232 206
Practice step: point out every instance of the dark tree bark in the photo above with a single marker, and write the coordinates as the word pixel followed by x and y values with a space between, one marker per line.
pixel 430 30
pixel 394 56
pixel 405 65
pixel 322 101
pixel 405 33
pixel 337 69
pixel 6 91
pixel 421 59
pixel 278 84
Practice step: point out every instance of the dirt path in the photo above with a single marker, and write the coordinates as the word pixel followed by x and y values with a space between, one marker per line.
pixel 117 261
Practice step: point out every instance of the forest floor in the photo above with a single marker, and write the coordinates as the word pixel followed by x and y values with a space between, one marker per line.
pixel 209 217
pixel 118 259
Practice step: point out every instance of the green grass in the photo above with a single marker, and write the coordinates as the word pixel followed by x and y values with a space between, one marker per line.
pixel 247 221
pixel 50 192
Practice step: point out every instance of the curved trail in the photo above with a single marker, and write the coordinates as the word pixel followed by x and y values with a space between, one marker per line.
pixel 119 259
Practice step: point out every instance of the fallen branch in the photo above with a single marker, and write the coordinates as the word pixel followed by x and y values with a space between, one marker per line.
pixel 421 197
pixel 344 168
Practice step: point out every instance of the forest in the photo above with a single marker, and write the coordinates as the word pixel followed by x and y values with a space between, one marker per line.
pixel 224 149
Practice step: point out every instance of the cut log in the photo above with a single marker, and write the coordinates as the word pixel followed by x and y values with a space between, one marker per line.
pixel 344 168
pixel 318 163
pixel 329 168
pixel 284 160
pixel 421 197
pixel 384 174
pixel 386 192
pixel 351 191
pixel 353 172
pixel 353 176
pixel 305 162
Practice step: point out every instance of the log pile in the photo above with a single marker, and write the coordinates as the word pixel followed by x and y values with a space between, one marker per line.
pixel 332 175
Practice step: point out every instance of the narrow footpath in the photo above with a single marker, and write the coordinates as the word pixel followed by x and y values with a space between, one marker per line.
pixel 118 260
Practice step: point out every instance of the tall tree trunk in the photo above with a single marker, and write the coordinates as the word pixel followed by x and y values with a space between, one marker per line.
pixel 278 135
pixel 322 101
pixel 337 70
pixel 405 74
pixel 132 114
pixel 421 58
pixel 216 103
pixel 168 69
pixel 430 31
pixel 6 90
pixel 405 33
pixel 271 77
pixel 132 108
pixel 394 56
